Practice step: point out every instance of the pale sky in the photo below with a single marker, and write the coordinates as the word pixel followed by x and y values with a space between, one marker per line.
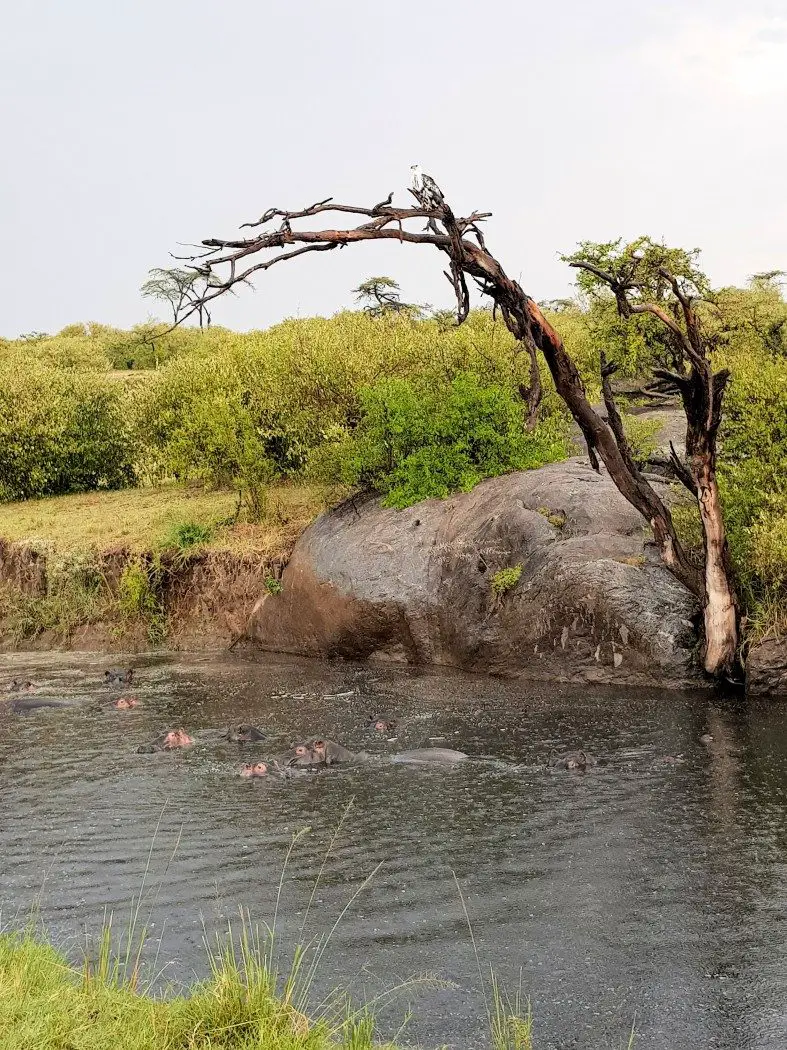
pixel 130 126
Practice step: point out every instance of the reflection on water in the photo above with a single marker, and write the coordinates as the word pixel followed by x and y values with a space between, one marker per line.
pixel 651 891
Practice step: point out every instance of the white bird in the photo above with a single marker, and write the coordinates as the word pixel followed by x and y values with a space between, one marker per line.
pixel 417 180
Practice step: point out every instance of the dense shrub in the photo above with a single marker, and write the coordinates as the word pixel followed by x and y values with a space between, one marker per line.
pixel 61 430
pixel 753 481
pixel 417 440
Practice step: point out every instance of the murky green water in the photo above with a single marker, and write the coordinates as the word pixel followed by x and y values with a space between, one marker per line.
pixel 651 892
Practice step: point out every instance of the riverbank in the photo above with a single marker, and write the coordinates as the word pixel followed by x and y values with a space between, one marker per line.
pixel 47 1004
pixel 171 566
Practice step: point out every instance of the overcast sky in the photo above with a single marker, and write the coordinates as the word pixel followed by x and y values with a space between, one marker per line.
pixel 130 126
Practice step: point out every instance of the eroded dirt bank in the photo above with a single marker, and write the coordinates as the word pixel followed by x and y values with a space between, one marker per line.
pixel 121 600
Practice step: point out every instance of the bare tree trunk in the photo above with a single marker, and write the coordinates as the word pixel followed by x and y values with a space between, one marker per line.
pixel 720 613
pixel 702 394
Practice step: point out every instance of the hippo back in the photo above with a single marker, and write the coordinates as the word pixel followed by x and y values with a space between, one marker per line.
pixel 430 755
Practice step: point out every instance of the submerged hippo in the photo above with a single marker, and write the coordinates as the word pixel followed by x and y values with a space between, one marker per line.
pixel 321 753
pixel 26 704
pixel 327 753
pixel 170 741
pixel 20 686
pixel 119 675
pixel 579 760
pixel 244 734
pixel 430 756
pixel 382 725
pixel 259 769
pixel 126 703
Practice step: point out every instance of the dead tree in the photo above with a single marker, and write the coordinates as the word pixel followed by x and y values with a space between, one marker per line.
pixel 225 263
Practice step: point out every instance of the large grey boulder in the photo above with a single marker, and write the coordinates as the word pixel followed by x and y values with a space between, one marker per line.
pixel 766 668
pixel 415 585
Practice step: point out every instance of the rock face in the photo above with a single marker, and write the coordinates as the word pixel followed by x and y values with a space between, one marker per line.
pixel 366 582
pixel 766 668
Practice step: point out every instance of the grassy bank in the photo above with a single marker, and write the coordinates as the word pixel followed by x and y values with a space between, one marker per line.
pixel 146 519
pixel 46 1004
pixel 144 565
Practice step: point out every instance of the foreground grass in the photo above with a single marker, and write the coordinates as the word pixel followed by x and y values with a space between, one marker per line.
pixel 46 1004
pixel 142 519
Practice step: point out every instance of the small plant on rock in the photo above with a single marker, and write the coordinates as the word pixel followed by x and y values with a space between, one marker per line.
pixel 504 580
pixel 555 518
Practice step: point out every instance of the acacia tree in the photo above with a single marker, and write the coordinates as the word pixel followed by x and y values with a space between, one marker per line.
pixel 182 289
pixel 226 262
pixel 650 279
pixel 382 295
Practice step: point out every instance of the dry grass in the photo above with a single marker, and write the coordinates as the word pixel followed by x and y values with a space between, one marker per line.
pixel 141 519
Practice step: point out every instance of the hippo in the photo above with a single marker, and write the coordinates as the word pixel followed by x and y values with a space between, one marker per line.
pixel 327 753
pixel 24 705
pixel 321 753
pixel 19 686
pixel 429 756
pixel 170 741
pixel 257 769
pixel 125 703
pixel 119 675
pixel 382 725
pixel 577 760
pixel 244 734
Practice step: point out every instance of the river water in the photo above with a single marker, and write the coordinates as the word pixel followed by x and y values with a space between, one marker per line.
pixel 650 892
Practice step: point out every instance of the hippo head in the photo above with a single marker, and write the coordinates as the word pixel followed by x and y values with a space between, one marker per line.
pixel 177 738
pixel 255 769
pixel 125 703
pixel 302 755
pixel 18 686
pixel 319 750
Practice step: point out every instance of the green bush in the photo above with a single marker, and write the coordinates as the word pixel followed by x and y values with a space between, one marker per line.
pixel 420 440
pixel 139 596
pixel 641 436
pixel 753 483
pixel 61 430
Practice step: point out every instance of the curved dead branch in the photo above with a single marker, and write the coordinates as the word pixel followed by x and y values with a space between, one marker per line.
pixel 466 258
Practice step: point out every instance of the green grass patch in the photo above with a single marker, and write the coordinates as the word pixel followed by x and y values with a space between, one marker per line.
pixel 145 519
pixel 47 1004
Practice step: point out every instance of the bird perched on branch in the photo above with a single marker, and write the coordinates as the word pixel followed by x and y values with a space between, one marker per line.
pixel 426 190
pixel 432 192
